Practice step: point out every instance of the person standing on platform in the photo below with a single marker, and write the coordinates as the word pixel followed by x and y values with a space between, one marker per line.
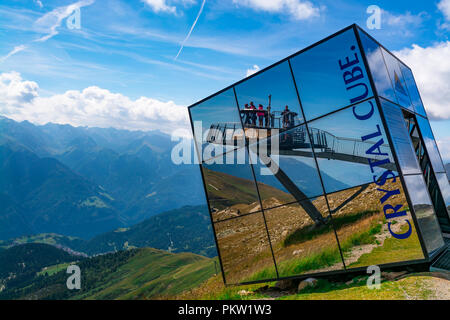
pixel 248 118
pixel 252 106
pixel 286 115
pixel 261 115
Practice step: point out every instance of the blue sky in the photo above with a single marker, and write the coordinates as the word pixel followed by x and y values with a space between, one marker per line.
pixel 122 60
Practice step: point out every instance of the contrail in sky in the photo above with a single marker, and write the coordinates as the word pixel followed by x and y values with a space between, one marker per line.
pixel 192 28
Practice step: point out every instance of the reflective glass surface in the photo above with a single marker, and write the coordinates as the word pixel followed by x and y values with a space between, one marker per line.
pixel 217 126
pixel 286 162
pixel 412 90
pixel 230 186
pixel 444 186
pixel 378 68
pixel 351 147
pixel 272 188
pixel 331 75
pixel 274 90
pixel 366 234
pixel 400 137
pixel 423 209
pixel 287 193
pixel 244 249
pixel 300 244
pixel 397 80
pixel 430 144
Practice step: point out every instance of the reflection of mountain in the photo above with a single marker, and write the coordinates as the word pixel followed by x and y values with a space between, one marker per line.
pixel 226 190
pixel 85 181
pixel 300 173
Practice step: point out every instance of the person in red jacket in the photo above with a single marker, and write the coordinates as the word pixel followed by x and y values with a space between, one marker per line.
pixel 260 115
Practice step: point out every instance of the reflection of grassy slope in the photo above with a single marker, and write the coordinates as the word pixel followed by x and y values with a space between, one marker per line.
pixel 311 231
pixel 324 258
pixel 392 250
pixel 229 190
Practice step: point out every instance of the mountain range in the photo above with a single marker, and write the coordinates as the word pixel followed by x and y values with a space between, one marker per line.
pixel 80 181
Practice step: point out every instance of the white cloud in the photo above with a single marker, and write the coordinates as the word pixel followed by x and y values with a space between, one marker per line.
pixel 431 68
pixel 160 6
pixel 298 9
pixel 51 21
pixel 253 70
pixel 444 148
pixel 39 3
pixel 444 6
pixel 403 20
pixel 93 106
pixel 191 29
pixel 403 24
pixel 13 52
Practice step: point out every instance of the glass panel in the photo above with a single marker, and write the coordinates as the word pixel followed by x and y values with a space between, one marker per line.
pixel 244 249
pixel 230 186
pixel 378 68
pixel 217 126
pixel 351 147
pixel 438 200
pixel 430 144
pixel 273 94
pixel 271 189
pixel 291 168
pixel 412 90
pixel 301 245
pixel 400 138
pixel 445 188
pixel 369 236
pixel 423 208
pixel 331 75
pixel 397 79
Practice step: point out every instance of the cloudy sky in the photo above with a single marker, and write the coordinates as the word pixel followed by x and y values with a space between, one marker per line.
pixel 137 64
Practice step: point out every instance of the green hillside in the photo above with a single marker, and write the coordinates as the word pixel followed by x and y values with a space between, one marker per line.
pixel 132 274
pixel 30 258
pixel 153 273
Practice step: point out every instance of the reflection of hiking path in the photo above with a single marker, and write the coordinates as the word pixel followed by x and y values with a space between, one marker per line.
pixel 352 256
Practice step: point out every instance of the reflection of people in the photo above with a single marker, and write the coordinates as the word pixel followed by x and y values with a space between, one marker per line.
pixel 247 115
pixel 261 115
pixel 268 116
pixel 286 115
pixel 252 106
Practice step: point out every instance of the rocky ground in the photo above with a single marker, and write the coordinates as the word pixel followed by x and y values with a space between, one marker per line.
pixel 394 286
